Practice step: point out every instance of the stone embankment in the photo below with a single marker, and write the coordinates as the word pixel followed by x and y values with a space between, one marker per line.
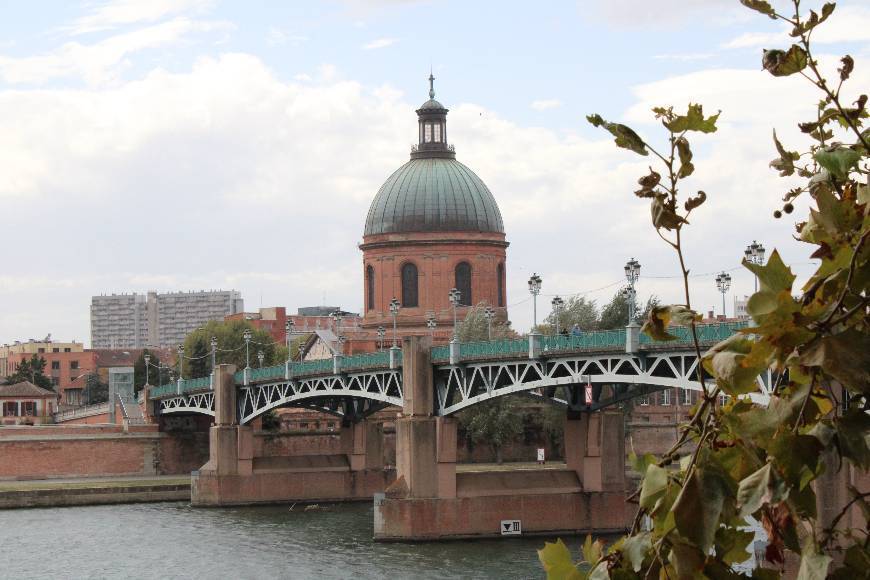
pixel 94 491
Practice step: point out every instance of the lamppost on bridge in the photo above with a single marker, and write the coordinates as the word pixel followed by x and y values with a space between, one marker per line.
pixel 382 333
pixel 260 356
pixel 632 273
pixel 754 254
pixel 288 331
pixel 394 312
pixel 247 336
pixel 337 315
pixel 534 290
pixel 431 323
pixel 147 358
pixel 723 283
pixel 341 340
pixel 489 314
pixel 213 353
pixel 180 360
pixel 301 349
pixel 557 304
pixel 454 296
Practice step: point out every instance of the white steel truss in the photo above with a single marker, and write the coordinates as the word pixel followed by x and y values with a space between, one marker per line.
pixel 202 403
pixel 580 381
pixel 351 395
pixel 612 378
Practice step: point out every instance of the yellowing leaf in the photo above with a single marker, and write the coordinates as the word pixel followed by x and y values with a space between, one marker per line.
pixel 774 276
pixel 556 560
pixel 625 136
pixel 813 566
pixel 655 482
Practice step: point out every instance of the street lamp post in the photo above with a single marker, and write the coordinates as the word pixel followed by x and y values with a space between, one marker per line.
pixel 180 360
pixel 632 273
pixel 260 357
pixel 534 290
pixel 247 336
pixel 213 353
pixel 288 331
pixel 382 333
pixel 394 312
pixel 147 364
pixel 454 296
pixel 557 304
pixel 431 323
pixel 301 351
pixel 723 283
pixel 489 314
pixel 754 254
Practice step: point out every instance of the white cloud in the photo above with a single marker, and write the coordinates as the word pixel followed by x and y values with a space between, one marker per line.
pixel 278 37
pixel 114 13
pixel 380 43
pixel 544 104
pixel 102 61
pixel 661 12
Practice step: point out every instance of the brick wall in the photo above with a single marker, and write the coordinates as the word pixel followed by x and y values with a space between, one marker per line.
pixel 94 451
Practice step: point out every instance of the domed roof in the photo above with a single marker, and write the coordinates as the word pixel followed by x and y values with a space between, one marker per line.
pixel 431 104
pixel 433 194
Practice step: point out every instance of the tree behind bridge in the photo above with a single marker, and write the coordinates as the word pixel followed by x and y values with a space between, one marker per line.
pixel 230 349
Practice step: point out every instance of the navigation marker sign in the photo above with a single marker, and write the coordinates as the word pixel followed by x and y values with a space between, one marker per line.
pixel 511 527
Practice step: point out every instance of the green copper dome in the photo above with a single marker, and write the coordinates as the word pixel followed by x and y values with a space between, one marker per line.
pixel 433 194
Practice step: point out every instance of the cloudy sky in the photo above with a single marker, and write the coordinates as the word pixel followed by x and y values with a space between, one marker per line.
pixel 196 144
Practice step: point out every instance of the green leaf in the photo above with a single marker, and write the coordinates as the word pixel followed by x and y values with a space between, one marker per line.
pixel 556 560
pixel 693 120
pixel 731 544
pixel 813 566
pixel 758 489
pixel 635 549
pixel 592 550
pixel 844 356
pixel 655 482
pixel 699 506
pixel 781 63
pixel 735 370
pixel 760 6
pixel 625 136
pixel 838 160
pixel 774 276
pixel 685 153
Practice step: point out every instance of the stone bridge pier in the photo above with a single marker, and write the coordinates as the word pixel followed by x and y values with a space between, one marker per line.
pixel 430 500
pixel 235 475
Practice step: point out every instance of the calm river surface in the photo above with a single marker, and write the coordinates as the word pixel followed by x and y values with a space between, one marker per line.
pixel 173 540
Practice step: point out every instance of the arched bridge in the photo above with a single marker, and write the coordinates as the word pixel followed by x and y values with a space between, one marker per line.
pixel 586 372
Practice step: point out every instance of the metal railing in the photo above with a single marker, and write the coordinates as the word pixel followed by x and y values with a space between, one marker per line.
pixel 87 411
pixel 594 339
pixel 502 347
pixel 366 360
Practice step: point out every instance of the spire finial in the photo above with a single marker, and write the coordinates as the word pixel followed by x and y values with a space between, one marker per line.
pixel 431 84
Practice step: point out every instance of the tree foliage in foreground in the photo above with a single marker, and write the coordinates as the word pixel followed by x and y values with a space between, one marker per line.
pixel 742 460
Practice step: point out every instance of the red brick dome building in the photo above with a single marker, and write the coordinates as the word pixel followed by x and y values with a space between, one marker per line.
pixel 433 226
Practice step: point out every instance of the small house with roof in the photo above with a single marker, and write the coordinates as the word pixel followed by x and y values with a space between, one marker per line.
pixel 26 403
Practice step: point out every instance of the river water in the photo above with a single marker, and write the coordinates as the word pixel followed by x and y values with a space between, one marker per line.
pixel 173 540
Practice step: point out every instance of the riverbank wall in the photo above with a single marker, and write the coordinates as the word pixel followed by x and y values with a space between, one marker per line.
pixel 71 451
pixel 54 493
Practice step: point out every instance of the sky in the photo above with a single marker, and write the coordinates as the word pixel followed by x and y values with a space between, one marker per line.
pixel 200 144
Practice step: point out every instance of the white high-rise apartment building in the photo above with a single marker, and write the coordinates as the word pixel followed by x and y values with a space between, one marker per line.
pixel 139 320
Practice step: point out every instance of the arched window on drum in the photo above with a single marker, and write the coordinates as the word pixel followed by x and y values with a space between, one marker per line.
pixel 463 283
pixel 409 286
pixel 370 288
